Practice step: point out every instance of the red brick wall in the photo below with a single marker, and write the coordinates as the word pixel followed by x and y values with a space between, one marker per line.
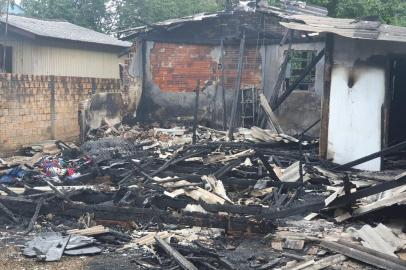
pixel 37 108
pixel 176 68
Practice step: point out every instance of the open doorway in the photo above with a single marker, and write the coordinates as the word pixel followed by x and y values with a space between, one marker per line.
pixel 397 118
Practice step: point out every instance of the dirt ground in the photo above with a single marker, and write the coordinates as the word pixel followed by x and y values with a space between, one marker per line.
pixel 11 259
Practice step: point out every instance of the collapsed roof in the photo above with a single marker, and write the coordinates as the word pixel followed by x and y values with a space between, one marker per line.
pixel 286 9
pixel 350 28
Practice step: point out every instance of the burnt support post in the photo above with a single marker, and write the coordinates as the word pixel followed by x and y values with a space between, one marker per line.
pixel 325 106
pixel 196 112
pixel 302 76
pixel 237 88
pixel 282 71
pixel 223 86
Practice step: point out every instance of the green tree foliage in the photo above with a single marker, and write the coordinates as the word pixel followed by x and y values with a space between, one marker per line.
pixel 87 13
pixel 389 11
pixel 132 13
pixel 3 5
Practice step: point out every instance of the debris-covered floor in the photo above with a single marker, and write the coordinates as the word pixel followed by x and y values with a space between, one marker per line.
pixel 147 197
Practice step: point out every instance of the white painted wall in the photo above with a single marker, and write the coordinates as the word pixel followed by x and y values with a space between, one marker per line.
pixel 355 119
pixel 355 115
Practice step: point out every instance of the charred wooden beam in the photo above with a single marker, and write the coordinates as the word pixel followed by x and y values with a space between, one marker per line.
pixel 8 191
pixel 350 198
pixel 308 129
pixel 384 152
pixel 325 105
pixel 35 216
pixel 268 166
pixel 103 212
pixel 9 213
pixel 282 71
pixel 223 86
pixel 222 171
pixel 196 112
pixel 237 89
pixel 176 159
pixel 303 75
pixel 179 258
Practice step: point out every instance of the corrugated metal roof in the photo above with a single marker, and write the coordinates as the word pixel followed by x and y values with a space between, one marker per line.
pixel 62 30
pixel 350 28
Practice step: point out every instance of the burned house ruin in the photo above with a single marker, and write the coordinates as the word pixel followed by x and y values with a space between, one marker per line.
pixel 171 56
pixel 363 104
pixel 256 138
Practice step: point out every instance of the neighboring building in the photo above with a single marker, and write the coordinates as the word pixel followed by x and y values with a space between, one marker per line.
pixel 48 68
pixel 365 92
pixel 41 47
pixel 171 56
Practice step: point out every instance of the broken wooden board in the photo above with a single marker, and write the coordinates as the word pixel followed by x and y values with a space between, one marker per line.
pixel 96 230
pixel 333 260
pixel 198 194
pixel 366 255
pixel 216 186
pixel 252 224
pixel 398 199
pixel 179 258
pixel 272 119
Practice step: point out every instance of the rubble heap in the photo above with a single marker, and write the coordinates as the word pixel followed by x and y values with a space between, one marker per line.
pixel 176 204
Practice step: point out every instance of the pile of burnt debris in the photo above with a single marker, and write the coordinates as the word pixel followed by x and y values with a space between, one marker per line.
pixel 187 200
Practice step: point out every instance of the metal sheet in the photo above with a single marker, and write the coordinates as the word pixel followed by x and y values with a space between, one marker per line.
pixel 351 28
pixel 47 246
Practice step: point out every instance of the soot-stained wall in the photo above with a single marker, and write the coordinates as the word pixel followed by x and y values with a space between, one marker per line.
pixel 173 60
pixel 172 71
pixel 359 86
pixel 37 108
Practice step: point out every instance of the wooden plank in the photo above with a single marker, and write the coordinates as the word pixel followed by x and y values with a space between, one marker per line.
pixel 96 230
pixel 179 258
pixel 272 119
pixel 365 255
pixel 333 260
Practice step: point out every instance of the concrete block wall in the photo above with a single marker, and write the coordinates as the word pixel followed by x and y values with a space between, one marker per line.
pixel 36 108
